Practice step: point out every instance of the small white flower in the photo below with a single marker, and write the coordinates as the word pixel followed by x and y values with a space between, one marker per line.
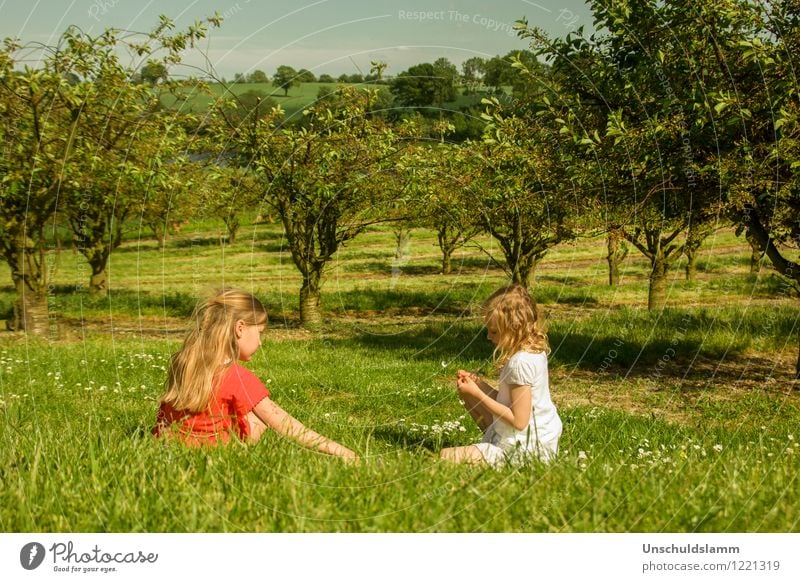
pixel 718 448
pixel 582 455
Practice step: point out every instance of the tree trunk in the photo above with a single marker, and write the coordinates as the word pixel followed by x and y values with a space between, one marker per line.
pixel 617 251
pixel 524 272
pixel 402 237
pixel 160 233
pixel 402 253
pixel 691 263
pixel 698 233
pixel 232 226
pixel 98 282
pixel 447 268
pixel 797 366
pixel 31 314
pixel 443 235
pixel 310 315
pixel 755 253
pixel 657 296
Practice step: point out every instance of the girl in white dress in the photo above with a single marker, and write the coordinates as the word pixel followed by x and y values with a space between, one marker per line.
pixel 519 420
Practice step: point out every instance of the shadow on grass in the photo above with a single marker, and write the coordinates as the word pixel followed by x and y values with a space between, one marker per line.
pixel 435 342
pixel 188 243
pixel 402 438
pixel 125 301
pixel 450 301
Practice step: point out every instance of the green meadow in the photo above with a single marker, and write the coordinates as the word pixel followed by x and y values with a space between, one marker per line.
pixel 683 421
pixel 293 103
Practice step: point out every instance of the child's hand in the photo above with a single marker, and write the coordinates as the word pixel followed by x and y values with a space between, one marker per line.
pixel 467 385
pixel 464 374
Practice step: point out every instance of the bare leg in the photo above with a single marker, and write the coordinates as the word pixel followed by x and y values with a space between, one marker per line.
pixel 469 454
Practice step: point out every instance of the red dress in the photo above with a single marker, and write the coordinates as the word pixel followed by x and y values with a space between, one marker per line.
pixel 238 393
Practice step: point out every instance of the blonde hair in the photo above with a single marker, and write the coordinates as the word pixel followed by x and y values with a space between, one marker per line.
pixel 513 313
pixel 210 348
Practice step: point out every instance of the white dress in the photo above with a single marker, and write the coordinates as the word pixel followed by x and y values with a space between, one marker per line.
pixel 502 443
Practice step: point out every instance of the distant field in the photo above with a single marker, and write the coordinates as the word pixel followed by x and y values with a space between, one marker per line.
pixel 680 421
pixel 298 98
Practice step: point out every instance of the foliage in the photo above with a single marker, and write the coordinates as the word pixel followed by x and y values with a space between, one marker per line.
pixel 416 87
pixel 76 120
pixel 472 70
pixel 628 95
pixel 257 76
pixel 321 178
pixel 285 78
pixel 522 199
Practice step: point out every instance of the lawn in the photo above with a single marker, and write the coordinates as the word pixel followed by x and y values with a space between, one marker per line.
pixel 680 421
pixel 293 102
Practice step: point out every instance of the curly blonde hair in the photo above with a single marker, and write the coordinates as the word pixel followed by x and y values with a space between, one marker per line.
pixel 512 315
pixel 210 348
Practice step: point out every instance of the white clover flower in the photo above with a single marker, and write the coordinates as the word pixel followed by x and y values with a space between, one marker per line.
pixel 718 448
pixel 582 455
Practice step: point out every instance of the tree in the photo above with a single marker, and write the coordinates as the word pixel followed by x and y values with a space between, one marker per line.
pixel 326 78
pixel 306 76
pixel 376 70
pixel 224 193
pixel 617 251
pixel 416 87
pixel 285 78
pixel 472 71
pixel 257 76
pixel 446 75
pixel 522 197
pixel 32 118
pixel 239 78
pixel 49 138
pixel 440 179
pixel 498 72
pixel 245 107
pixel 321 179
pixel 125 149
pixel 153 73
pixel 628 95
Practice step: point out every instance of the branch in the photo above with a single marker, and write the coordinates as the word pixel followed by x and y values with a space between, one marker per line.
pixel 766 245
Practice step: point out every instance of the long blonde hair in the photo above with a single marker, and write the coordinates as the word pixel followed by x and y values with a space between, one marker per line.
pixel 513 313
pixel 210 348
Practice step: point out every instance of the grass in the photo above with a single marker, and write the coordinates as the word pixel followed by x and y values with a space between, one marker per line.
pixel 682 421
pixel 297 99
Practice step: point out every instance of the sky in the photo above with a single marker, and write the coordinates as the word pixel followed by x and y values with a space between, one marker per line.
pixel 323 36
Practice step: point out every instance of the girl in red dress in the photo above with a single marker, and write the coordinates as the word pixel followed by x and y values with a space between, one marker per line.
pixel 210 397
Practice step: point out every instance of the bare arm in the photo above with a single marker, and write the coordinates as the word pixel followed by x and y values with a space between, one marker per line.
pixel 518 414
pixel 285 424
pixel 482 384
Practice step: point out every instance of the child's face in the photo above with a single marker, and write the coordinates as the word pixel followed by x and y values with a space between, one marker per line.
pixel 491 331
pixel 248 336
